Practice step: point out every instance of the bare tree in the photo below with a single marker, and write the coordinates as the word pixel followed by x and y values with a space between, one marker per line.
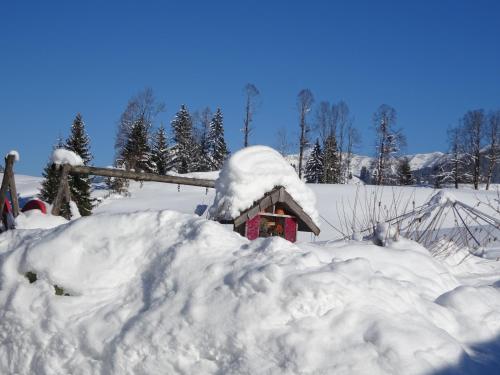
pixel 305 100
pixel 454 170
pixel 388 142
pixel 343 122
pixel 325 124
pixel 251 96
pixel 353 140
pixel 474 123
pixel 283 141
pixel 142 106
pixel 493 140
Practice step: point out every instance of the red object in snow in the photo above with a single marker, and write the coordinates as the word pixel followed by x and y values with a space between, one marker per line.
pixel 7 207
pixel 291 229
pixel 253 228
pixel 35 204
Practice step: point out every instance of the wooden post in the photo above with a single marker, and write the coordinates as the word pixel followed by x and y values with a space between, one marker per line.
pixel 140 176
pixel 8 182
pixel 63 194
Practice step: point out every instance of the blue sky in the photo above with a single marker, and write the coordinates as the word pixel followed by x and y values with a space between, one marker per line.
pixel 430 60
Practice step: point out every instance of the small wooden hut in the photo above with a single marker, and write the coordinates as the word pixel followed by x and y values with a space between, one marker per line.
pixel 275 214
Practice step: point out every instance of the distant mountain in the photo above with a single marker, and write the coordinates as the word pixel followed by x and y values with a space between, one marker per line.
pixel 422 165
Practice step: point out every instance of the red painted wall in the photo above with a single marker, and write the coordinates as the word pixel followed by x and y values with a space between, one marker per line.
pixel 253 228
pixel 291 229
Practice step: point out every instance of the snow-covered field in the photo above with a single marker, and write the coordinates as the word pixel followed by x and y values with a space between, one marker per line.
pixel 154 289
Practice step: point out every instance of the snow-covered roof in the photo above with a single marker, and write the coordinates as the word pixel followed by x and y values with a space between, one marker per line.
pixel 252 172
pixel 63 156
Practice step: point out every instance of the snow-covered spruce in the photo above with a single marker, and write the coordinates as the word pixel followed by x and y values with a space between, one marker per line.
pixel 249 174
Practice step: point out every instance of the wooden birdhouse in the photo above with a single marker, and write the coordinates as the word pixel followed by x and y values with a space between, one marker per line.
pixel 275 214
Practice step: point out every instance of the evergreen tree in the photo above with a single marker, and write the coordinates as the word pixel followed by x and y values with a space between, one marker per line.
pixel 185 150
pixel 218 151
pixel 314 167
pixel 79 184
pixel 404 172
pixel 160 152
pixel 331 169
pixel 50 183
pixel 202 132
pixel 364 175
pixel 137 153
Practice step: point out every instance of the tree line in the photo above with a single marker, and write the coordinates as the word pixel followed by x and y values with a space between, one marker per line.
pixel 196 144
pixel 326 135
pixel 474 150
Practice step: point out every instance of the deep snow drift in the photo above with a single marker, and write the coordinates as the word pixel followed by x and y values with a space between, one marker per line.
pixel 164 292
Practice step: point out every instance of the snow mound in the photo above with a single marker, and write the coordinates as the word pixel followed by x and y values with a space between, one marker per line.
pixel 164 292
pixel 36 219
pixel 14 153
pixel 63 156
pixel 252 172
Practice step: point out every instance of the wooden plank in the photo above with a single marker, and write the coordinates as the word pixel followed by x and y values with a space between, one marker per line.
pixel 288 200
pixel 113 172
pixel 291 229
pixel 265 202
pixel 9 162
pixel 12 184
pixel 252 228
pixel 62 191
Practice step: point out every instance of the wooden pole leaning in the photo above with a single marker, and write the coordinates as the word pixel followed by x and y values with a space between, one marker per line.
pixel 9 183
pixel 140 176
pixel 63 192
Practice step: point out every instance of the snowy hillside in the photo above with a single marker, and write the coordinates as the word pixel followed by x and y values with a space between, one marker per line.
pixel 153 288
pixel 422 165
pixel 417 161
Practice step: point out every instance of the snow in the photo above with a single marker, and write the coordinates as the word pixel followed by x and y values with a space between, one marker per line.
pixel 63 156
pixel 153 290
pixel 14 153
pixel 161 291
pixel 252 172
pixel 442 197
pixel 36 219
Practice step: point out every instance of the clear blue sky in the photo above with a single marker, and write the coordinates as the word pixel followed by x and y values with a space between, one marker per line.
pixel 431 60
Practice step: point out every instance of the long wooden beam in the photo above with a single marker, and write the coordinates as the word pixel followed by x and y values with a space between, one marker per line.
pixel 113 172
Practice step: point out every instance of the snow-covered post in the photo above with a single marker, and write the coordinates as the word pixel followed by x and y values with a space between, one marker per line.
pixel 8 182
pixel 64 159
pixel 63 193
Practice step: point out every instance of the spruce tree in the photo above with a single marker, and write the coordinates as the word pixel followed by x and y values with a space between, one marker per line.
pixel 364 175
pixel 50 183
pixel 185 150
pixel 404 172
pixel 314 167
pixel 218 151
pixel 160 152
pixel 202 133
pixel 137 153
pixel 331 167
pixel 80 185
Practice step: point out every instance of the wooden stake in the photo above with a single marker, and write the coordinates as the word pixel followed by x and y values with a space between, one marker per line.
pixel 9 183
pixel 63 194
